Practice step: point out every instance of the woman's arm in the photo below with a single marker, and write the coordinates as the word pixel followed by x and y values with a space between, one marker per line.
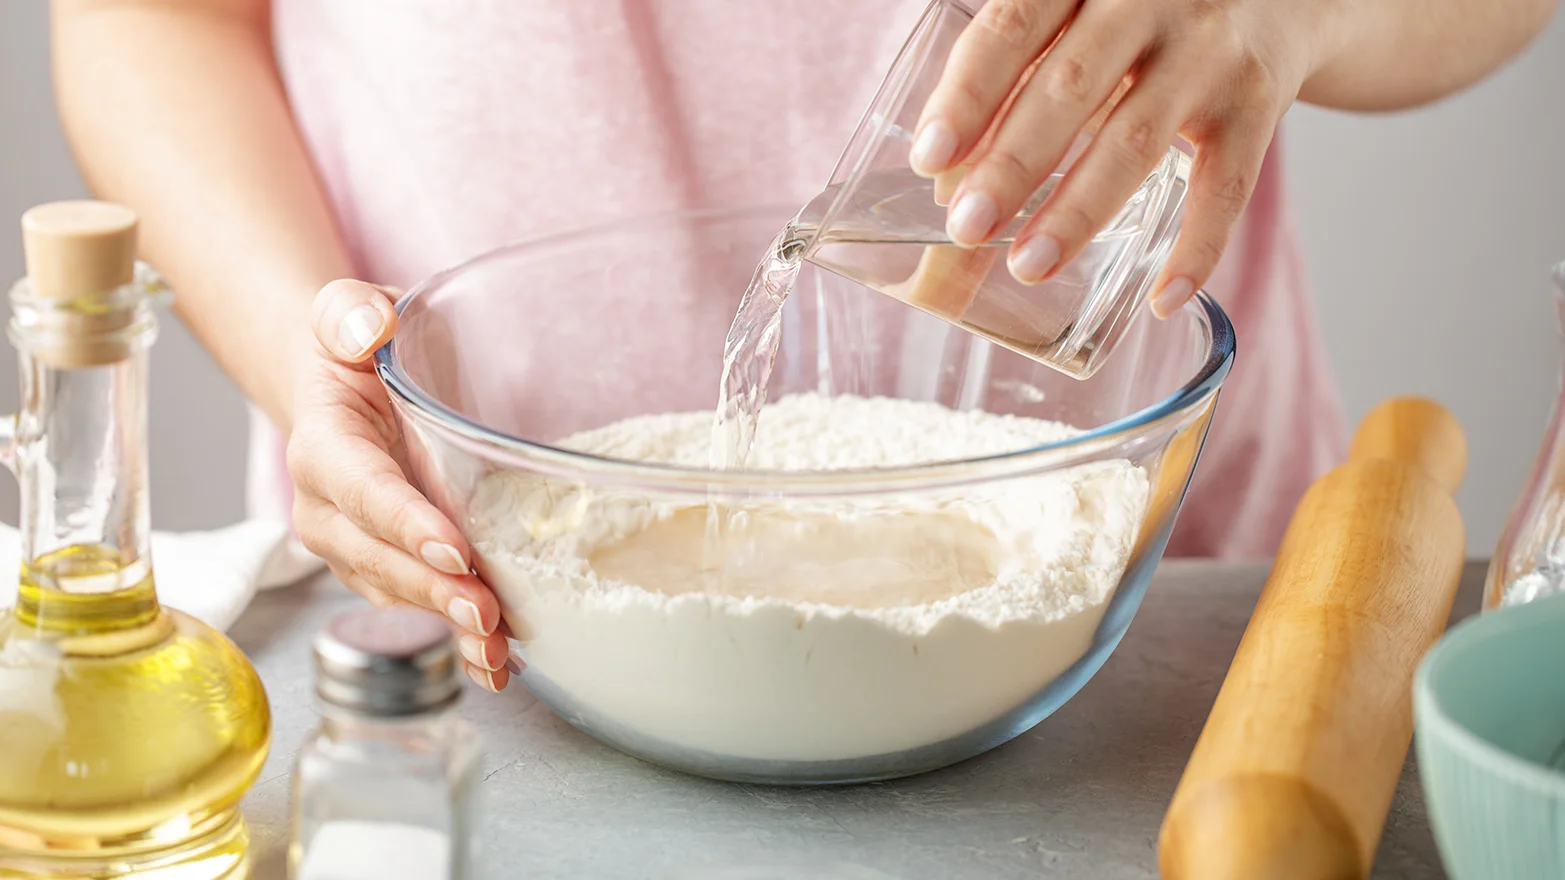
pixel 175 108
pixel 1395 54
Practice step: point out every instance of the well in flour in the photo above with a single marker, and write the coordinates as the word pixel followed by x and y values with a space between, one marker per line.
pixel 843 627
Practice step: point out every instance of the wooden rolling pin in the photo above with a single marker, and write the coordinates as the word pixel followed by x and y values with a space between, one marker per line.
pixel 1294 772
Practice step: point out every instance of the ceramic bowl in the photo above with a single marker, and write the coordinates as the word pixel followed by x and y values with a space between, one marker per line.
pixel 1489 702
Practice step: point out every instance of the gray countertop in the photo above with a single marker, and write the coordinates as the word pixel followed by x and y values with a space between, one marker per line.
pixel 1079 796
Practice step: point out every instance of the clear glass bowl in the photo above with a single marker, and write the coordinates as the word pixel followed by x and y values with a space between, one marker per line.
pixel 497 360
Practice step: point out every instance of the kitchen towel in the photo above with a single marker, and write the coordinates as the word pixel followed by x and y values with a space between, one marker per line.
pixel 212 576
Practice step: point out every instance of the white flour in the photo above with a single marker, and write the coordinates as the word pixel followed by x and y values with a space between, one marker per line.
pixel 838 628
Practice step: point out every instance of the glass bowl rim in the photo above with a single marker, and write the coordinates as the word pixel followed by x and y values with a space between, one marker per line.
pixel 1089 445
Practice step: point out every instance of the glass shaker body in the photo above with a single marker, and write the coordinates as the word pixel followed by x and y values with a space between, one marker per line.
pixel 1529 562
pixel 386 786
pixel 386 797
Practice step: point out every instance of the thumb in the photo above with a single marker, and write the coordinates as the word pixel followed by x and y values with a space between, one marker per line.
pixel 352 319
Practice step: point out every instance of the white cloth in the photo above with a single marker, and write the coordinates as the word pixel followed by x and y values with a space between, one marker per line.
pixel 212 576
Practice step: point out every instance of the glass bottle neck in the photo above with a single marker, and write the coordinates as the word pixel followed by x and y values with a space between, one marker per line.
pixel 81 463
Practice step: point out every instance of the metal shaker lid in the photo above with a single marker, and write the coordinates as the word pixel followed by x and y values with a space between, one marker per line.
pixel 387 662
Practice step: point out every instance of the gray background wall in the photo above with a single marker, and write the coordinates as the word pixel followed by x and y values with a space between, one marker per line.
pixel 1429 233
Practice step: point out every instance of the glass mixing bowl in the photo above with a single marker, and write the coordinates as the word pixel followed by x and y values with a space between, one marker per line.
pixel 709 663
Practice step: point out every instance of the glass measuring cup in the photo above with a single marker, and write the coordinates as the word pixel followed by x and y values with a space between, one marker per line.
pixel 879 224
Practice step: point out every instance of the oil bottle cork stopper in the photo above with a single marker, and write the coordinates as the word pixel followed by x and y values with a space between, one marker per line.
pixel 79 248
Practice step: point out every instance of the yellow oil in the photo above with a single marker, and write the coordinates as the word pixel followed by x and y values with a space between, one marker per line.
pixel 128 732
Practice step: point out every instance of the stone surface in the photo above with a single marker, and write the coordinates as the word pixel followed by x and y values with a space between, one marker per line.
pixel 1079 796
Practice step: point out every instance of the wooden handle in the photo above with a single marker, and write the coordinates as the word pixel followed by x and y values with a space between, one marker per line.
pixel 1419 432
pixel 1294 772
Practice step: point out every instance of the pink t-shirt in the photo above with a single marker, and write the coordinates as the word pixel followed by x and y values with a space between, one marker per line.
pixel 443 130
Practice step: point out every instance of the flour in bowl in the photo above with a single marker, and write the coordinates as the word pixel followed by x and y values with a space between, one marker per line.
pixel 836 627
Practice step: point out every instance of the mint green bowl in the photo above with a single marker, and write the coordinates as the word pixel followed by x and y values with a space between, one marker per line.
pixel 1489 705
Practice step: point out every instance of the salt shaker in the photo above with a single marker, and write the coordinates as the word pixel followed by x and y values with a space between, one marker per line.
pixel 1529 562
pixel 386 787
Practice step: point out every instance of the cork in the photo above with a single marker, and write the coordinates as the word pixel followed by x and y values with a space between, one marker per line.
pixel 78 249
pixel 77 254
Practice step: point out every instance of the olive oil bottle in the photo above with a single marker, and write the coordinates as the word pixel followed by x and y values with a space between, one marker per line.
pixel 128 731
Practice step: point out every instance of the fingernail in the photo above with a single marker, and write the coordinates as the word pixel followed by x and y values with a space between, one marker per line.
pixel 1174 294
pixel 443 558
pixel 482 679
pixel 465 614
pixel 1034 259
pixel 514 664
pixel 359 330
pixel 971 218
pixel 472 648
pixel 933 149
